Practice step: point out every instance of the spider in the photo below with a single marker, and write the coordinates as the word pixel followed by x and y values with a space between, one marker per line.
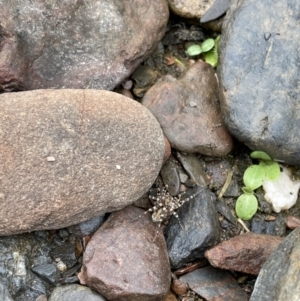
pixel 165 205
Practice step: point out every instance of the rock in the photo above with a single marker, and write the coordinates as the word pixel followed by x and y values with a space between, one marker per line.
pixel 75 44
pixel 87 227
pixel 194 168
pixel 65 253
pixel 279 276
pixel 47 271
pixel 74 292
pixel 17 254
pixel 216 10
pixel 199 229
pixel 69 155
pixel 4 293
pixel 127 259
pixel 292 222
pixel 260 224
pixel 189 113
pixel 214 285
pixel 170 176
pixel 259 76
pixel 243 253
pixel 190 8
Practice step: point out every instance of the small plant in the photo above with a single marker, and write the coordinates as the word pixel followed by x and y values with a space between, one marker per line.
pixel 254 176
pixel 209 49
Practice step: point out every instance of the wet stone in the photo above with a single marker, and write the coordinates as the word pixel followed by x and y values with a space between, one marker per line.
pixel 65 253
pixel 216 10
pixel 276 227
pixel 196 230
pixel 74 292
pixel 243 253
pixel 47 272
pixel 75 44
pixel 93 171
pixel 214 284
pixel 127 259
pixel 279 276
pixel 4 293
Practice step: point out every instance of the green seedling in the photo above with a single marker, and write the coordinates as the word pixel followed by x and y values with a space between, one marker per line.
pixel 254 176
pixel 209 50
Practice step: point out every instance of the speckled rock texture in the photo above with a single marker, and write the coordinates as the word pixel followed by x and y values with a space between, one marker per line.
pixel 188 111
pixel 69 155
pixel 76 44
pixel 279 276
pixel 127 258
pixel 259 76
pixel 190 8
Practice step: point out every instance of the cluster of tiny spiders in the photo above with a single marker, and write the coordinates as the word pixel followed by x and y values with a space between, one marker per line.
pixel 165 205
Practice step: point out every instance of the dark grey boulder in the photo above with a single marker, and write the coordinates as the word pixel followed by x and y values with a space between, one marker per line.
pixel 69 155
pixel 259 76
pixel 76 44
pixel 279 277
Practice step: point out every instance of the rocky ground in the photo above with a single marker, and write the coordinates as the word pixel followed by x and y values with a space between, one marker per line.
pixel 130 195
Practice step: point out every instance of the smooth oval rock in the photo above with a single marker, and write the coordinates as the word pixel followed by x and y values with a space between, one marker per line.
pixel 259 76
pixel 69 155
pixel 76 44
pixel 188 111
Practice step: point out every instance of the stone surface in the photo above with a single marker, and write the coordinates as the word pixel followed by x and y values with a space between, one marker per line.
pixel 243 253
pixel 190 8
pixel 70 155
pixel 189 113
pixel 216 10
pixel 4 293
pixel 199 229
pixel 259 76
pixel 76 44
pixel 17 254
pixel 74 292
pixel 279 278
pixel 127 259
pixel 214 285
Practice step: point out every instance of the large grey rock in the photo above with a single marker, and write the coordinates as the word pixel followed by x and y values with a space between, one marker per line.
pixel 279 278
pixel 70 155
pixel 76 44
pixel 259 76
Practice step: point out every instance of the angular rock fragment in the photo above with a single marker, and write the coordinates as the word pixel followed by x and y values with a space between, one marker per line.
pixel 69 155
pixel 243 253
pixel 189 113
pixel 127 259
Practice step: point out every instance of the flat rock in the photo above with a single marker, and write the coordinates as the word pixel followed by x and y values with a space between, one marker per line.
pixel 214 285
pixel 259 76
pixel 243 253
pixel 279 278
pixel 74 292
pixel 69 155
pixel 196 229
pixel 127 258
pixel 189 113
pixel 76 44
pixel 190 8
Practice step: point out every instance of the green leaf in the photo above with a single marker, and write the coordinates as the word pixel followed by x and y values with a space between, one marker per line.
pixel 260 155
pixel 247 190
pixel 272 170
pixel 246 206
pixel 207 45
pixel 211 58
pixel 254 176
pixel 194 50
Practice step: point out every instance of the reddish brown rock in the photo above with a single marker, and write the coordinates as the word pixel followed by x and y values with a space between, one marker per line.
pixel 127 259
pixel 189 113
pixel 243 253
pixel 69 155
pixel 292 222
pixel 76 44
